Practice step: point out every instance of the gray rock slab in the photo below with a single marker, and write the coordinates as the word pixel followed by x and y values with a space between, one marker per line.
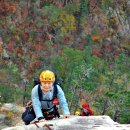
pixel 12 107
pixel 2 117
pixel 2 121
pixel 75 123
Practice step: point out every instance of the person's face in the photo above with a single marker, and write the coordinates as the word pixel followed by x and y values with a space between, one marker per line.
pixel 46 86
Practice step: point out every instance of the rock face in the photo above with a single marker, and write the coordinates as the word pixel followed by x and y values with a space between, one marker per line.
pixel 8 112
pixel 75 123
pixel 12 107
pixel 2 121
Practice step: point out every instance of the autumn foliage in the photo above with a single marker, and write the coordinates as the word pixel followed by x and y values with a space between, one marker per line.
pixel 87 41
pixel 7 8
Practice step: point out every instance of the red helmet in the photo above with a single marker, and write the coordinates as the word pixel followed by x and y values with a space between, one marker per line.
pixel 85 105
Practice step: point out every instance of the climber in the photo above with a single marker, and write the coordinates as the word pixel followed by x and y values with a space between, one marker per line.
pixel 45 97
pixel 78 112
pixel 86 111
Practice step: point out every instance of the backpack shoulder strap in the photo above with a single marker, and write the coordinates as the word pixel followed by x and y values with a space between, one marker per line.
pixel 55 91
pixel 40 92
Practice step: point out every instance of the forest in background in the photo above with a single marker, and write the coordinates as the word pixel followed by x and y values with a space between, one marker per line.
pixel 87 42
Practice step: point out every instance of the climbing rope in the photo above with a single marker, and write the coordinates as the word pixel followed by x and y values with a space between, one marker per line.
pixel 45 126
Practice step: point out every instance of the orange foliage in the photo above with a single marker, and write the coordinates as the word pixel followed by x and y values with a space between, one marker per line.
pixel 107 47
pixel 116 54
pixel 19 52
pixel 97 10
pixel 39 39
pixel 82 44
pixel 45 47
pixel 49 36
pixel 6 8
pixel 10 46
pixel 5 61
pixel 83 101
pixel 86 27
pixel 66 39
pixel 37 47
pixel 59 51
pixel 96 38
pixel 48 53
pixel 19 55
pixel 30 43
pixel 96 51
pixel 35 65
pixel 13 8
pixel 24 11
pixel 24 36
pixel 1 48
pixel 40 47
pixel 119 27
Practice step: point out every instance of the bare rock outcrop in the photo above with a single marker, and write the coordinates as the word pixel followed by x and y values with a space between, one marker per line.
pixel 12 107
pixel 10 115
pixel 75 123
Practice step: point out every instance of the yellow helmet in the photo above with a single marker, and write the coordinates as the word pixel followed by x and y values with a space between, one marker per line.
pixel 77 113
pixel 47 76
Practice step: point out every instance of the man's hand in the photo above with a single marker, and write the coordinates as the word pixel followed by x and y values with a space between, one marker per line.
pixel 42 120
pixel 66 116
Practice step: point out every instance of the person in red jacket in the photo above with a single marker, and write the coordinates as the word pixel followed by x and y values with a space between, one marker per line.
pixel 86 111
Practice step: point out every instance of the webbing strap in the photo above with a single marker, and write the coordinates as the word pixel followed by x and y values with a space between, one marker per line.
pixel 40 93
pixel 55 92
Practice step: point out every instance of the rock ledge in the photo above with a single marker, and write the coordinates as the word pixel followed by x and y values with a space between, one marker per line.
pixel 75 123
